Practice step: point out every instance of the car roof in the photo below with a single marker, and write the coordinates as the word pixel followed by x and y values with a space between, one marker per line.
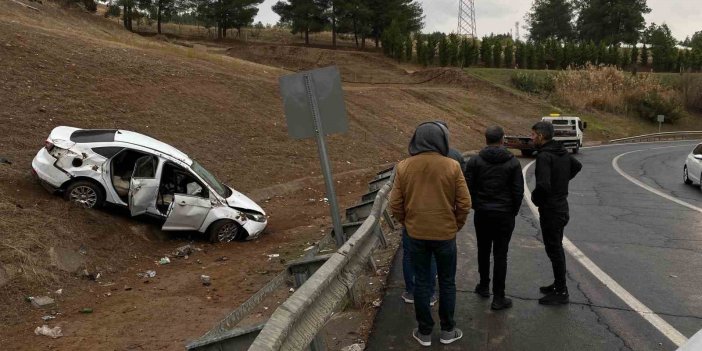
pixel 146 141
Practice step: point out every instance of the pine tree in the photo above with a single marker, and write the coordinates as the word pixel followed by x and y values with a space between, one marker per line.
pixel 551 19
pixel 432 42
pixel 408 48
pixel 634 55
pixel 530 55
pixel 444 58
pixel 540 56
pixel 519 57
pixel 509 54
pixel 497 53
pixel 644 55
pixel 486 52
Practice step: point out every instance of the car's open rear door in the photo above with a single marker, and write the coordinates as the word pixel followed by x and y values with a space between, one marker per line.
pixel 187 212
pixel 143 187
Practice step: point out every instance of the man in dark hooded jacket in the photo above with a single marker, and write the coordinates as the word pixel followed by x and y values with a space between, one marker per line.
pixel 453 153
pixel 496 186
pixel 431 200
pixel 555 167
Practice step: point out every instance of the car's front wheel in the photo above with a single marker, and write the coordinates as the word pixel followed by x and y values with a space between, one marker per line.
pixel 85 194
pixel 224 231
pixel 686 177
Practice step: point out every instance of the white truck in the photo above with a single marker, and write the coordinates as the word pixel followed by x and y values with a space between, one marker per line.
pixel 567 130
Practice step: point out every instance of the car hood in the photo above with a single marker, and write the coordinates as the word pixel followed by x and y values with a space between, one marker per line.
pixel 240 200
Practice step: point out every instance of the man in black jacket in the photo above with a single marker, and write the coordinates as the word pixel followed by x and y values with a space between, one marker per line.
pixel 555 167
pixel 496 187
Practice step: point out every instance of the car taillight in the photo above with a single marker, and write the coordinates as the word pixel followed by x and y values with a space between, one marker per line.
pixel 48 145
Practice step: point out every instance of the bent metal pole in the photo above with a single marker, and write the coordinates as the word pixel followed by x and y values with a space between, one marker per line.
pixel 324 160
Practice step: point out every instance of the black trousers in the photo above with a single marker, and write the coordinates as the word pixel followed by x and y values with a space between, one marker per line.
pixel 444 251
pixel 552 226
pixel 494 231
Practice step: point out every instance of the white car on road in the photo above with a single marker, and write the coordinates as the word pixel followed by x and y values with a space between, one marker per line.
pixel 692 171
pixel 94 166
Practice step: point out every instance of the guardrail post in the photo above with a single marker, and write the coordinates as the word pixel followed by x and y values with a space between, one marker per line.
pixel 301 271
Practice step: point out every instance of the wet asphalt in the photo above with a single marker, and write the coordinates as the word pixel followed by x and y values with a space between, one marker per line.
pixel 650 245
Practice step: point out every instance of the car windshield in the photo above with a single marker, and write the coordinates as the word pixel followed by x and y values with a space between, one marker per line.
pixel 213 182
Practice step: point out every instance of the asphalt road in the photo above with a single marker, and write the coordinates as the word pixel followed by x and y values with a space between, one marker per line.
pixel 650 245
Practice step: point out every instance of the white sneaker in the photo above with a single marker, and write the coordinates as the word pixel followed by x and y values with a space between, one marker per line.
pixel 409 298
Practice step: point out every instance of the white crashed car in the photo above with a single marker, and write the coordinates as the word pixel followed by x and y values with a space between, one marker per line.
pixel 692 171
pixel 94 166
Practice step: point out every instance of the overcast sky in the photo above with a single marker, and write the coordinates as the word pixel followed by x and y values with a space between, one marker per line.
pixel 684 17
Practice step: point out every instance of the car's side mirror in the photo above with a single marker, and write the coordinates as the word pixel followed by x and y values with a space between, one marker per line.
pixel 699 157
pixel 584 125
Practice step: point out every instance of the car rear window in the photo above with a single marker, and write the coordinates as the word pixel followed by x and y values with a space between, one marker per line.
pixel 93 135
pixel 107 151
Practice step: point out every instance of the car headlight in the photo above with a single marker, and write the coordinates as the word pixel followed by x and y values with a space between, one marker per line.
pixel 252 215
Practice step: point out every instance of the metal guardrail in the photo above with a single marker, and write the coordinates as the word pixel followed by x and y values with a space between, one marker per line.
pixel 294 325
pixel 681 135
pixel 227 335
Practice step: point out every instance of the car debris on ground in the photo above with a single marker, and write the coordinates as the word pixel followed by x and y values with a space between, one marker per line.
pixel 147 274
pixel 164 260
pixel 272 256
pixel 48 318
pixel 91 276
pixel 54 332
pixel 185 251
pixel 42 301
pixel 206 280
pixel 355 347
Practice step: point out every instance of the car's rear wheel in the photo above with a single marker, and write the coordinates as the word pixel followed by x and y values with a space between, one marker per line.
pixel 686 177
pixel 225 230
pixel 85 194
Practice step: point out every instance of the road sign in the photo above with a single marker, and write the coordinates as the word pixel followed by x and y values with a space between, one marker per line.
pixel 325 85
pixel 314 107
pixel 661 119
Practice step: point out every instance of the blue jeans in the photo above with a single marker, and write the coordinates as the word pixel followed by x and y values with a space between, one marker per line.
pixel 444 252
pixel 408 270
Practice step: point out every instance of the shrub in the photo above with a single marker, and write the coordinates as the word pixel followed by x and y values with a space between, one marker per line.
pixel 613 90
pixel 655 103
pixel 533 83
pixel 691 90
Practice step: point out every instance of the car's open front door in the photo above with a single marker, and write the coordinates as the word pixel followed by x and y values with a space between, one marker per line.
pixel 187 212
pixel 143 187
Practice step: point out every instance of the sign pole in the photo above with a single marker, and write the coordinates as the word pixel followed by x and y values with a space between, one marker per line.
pixel 324 160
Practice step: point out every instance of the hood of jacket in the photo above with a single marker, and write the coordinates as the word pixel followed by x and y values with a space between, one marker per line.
pixel 495 154
pixel 429 137
pixel 554 147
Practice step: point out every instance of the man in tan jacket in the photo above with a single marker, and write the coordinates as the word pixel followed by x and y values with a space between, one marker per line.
pixel 431 199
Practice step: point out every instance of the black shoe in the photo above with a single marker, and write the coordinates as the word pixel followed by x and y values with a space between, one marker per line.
pixel 555 298
pixel 482 290
pixel 548 289
pixel 501 303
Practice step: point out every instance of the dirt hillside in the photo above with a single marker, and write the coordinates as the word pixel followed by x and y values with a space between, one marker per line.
pixel 67 67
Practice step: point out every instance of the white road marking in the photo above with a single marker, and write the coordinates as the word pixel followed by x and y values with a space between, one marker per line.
pixel 615 164
pixel 666 329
